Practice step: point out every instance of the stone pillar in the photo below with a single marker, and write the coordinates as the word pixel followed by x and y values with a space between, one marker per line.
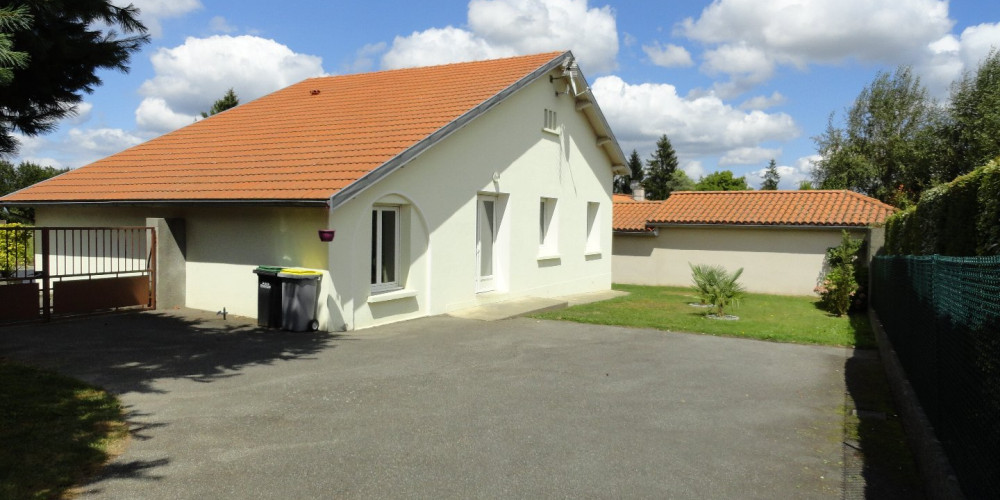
pixel 171 262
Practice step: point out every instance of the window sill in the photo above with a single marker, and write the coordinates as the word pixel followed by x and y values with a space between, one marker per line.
pixel 548 256
pixel 592 253
pixel 402 293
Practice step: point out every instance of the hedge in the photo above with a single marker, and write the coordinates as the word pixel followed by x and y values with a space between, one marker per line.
pixel 961 218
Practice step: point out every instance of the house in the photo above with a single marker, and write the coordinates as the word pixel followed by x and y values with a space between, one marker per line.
pixel 447 187
pixel 779 238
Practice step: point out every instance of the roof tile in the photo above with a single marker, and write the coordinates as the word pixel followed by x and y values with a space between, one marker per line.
pixel 768 208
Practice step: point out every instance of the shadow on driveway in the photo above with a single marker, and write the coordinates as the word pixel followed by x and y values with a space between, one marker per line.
pixel 130 352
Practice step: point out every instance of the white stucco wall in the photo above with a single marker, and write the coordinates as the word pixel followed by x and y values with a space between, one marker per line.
pixel 787 261
pixel 440 190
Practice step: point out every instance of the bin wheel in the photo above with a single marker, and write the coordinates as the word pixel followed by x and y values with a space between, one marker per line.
pixel 313 325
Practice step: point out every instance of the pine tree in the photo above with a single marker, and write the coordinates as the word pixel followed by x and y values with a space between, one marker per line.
pixel 67 43
pixel 661 167
pixel 229 100
pixel 623 183
pixel 771 177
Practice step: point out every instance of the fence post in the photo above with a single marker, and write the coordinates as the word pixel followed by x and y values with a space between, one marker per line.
pixel 46 297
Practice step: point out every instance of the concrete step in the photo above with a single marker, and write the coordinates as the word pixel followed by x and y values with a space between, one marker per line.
pixel 530 305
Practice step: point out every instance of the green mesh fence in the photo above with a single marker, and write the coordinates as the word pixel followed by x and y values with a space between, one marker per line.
pixel 942 315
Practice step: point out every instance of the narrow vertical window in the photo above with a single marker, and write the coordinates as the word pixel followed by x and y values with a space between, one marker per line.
pixel 385 245
pixel 593 235
pixel 548 236
pixel 549 124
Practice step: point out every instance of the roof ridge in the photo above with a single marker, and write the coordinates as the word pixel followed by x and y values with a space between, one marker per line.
pixel 553 55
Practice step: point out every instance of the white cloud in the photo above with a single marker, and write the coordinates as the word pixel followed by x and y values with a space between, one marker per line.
pixel 152 11
pixel 441 46
pixel 190 77
pixel 219 24
pixel 762 102
pixel 746 66
pixel 102 141
pixel 697 126
pixel 748 156
pixel 75 148
pixel 790 176
pixel 500 28
pixel 364 58
pixel 153 113
pixel 668 56
pixel 693 169
pixel 947 58
pixel 751 37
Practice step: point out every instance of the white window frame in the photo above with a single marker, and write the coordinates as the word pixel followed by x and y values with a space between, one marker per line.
pixel 593 244
pixel 550 122
pixel 378 285
pixel 548 229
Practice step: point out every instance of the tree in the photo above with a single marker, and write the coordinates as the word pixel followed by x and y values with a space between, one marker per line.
pixel 889 143
pixel 662 165
pixel 229 100
pixel 722 181
pixel 771 177
pixel 69 40
pixel 805 186
pixel 679 181
pixel 12 19
pixel 973 133
pixel 623 183
pixel 16 178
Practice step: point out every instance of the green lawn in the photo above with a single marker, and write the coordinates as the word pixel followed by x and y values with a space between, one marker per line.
pixel 54 431
pixel 777 318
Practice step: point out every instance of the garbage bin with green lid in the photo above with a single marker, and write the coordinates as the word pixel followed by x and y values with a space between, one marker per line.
pixel 299 295
pixel 268 296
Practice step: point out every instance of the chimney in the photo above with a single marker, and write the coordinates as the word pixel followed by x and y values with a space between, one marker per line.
pixel 638 193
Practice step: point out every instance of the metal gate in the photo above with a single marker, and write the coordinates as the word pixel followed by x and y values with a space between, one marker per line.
pixel 47 271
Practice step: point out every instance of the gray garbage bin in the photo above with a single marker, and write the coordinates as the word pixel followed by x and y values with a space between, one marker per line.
pixel 299 295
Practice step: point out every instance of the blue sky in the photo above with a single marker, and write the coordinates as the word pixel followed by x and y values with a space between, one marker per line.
pixel 733 83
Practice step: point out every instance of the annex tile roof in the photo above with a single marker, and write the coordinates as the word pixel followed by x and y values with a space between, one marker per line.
pixel 837 208
pixel 632 215
pixel 305 142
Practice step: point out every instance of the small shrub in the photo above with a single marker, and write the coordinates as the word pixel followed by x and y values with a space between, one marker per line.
pixel 14 248
pixel 717 287
pixel 704 278
pixel 840 285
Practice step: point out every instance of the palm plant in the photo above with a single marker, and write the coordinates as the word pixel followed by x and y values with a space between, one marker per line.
pixel 704 278
pixel 717 287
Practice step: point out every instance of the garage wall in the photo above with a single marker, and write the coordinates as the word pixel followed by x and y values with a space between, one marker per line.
pixel 786 261
pixel 224 245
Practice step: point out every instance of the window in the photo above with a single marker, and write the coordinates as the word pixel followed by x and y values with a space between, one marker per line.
pixel 385 249
pixel 549 125
pixel 593 235
pixel 548 236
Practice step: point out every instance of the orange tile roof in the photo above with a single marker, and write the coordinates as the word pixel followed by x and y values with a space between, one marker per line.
pixel 304 142
pixel 768 208
pixel 631 215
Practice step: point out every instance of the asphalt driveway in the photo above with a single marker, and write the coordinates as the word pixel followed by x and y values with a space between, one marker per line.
pixel 452 408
